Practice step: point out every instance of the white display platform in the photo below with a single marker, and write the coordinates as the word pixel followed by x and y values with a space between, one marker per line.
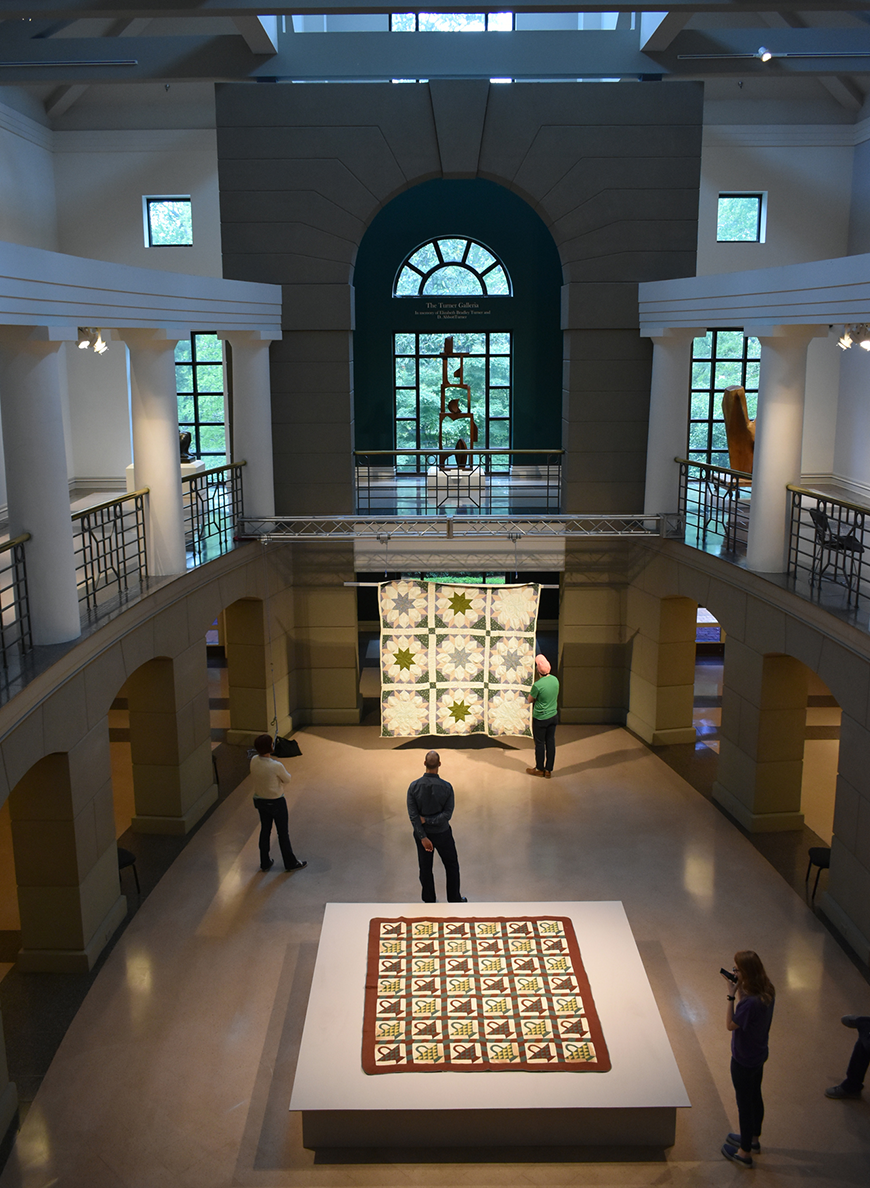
pixel 632 1105
pixel 446 488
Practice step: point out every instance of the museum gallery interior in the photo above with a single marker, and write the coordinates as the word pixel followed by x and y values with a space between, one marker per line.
pixel 350 359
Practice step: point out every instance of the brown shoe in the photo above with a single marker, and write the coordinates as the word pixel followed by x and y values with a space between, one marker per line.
pixel 547 775
pixel 534 771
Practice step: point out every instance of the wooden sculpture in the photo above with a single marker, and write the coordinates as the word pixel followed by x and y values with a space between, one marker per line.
pixel 455 408
pixel 739 430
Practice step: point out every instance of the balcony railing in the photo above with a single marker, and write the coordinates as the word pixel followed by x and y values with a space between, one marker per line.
pixel 715 504
pixel 212 508
pixel 490 483
pixel 15 629
pixel 827 543
pixel 110 549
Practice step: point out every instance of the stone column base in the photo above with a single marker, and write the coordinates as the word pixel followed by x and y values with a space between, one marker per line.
pixel 177 826
pixel 659 738
pixel 756 822
pixel 74 960
pixel 840 922
pixel 8 1108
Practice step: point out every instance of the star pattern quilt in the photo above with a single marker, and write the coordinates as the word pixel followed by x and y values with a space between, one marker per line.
pixel 456 659
pixel 478 995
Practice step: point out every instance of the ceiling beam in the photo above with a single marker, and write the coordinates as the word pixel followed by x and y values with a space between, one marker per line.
pixel 658 29
pixel 74 9
pixel 846 93
pixel 260 33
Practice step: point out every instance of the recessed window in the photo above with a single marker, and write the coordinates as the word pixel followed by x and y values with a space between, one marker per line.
pixel 199 382
pixel 451 22
pixel 168 221
pixel 452 266
pixel 741 218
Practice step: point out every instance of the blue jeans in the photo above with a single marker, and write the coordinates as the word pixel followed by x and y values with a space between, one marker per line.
pixel 446 847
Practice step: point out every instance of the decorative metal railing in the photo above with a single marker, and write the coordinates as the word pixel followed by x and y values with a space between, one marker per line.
pixel 212 509
pixel 827 543
pixel 385 528
pixel 110 548
pixel 715 504
pixel 430 483
pixel 15 628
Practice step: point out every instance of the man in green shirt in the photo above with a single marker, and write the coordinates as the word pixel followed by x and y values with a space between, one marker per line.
pixel 544 697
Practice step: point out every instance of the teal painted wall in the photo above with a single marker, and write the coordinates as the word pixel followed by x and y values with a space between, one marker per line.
pixel 503 222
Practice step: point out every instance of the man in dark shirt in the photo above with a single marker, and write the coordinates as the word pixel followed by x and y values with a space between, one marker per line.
pixel 430 807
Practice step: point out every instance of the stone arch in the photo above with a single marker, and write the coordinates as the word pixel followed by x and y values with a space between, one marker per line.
pixel 662 680
pixel 66 863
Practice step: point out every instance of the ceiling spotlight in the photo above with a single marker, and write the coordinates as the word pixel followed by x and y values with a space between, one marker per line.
pixel 845 339
pixel 91 337
pixel 864 337
pixel 764 53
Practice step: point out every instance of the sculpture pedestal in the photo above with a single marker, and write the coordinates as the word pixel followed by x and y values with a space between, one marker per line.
pixel 187 469
pixel 451 487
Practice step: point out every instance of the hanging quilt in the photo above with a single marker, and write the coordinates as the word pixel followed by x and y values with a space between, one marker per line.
pixel 456 659
pixel 479 995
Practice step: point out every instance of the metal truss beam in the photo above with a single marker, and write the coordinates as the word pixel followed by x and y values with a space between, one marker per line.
pixel 77 9
pixel 511 528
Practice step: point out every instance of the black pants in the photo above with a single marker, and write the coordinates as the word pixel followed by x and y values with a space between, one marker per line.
pixel 446 847
pixel 750 1107
pixel 544 732
pixel 274 812
pixel 860 1059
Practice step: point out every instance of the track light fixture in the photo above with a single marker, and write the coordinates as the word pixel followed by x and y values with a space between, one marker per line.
pixel 859 333
pixel 91 337
pixel 764 53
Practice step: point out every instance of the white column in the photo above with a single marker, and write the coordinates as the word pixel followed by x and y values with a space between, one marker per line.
pixel 779 429
pixel 32 383
pixel 668 417
pixel 252 418
pixel 156 457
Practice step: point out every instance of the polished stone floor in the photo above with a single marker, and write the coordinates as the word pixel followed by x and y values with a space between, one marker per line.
pixel 178 1067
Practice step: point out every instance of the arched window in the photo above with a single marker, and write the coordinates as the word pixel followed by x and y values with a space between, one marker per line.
pixel 452 266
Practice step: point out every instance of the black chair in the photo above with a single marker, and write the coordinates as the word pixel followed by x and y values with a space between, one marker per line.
pixel 125 859
pixel 844 550
pixel 820 856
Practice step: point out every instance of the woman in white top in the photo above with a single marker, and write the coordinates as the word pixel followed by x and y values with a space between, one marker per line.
pixel 268 777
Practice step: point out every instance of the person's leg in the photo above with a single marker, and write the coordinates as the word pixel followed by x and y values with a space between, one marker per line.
pixel 857 1070
pixel 756 1107
pixel 282 826
pixel 427 881
pixel 262 807
pixel 446 847
pixel 538 733
pixel 550 743
pixel 745 1090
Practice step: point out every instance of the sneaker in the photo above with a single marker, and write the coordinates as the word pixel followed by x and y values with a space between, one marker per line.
pixel 734 1140
pixel 730 1152
pixel 860 1023
pixel 269 867
pixel 837 1091
pixel 298 866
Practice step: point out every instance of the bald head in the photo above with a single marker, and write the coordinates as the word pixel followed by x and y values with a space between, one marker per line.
pixel 432 761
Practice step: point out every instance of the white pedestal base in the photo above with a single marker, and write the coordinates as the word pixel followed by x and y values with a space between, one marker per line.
pixel 448 488
pixel 632 1105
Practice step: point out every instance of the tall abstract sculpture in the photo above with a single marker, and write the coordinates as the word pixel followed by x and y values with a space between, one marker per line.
pixel 739 430
pixel 455 408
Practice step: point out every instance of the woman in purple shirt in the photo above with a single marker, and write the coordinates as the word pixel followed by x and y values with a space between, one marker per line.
pixel 748 1014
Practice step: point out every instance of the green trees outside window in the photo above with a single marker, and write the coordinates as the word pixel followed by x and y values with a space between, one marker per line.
pixel 417 369
pixel 719 359
pixel 169 222
pixel 199 382
pixel 740 218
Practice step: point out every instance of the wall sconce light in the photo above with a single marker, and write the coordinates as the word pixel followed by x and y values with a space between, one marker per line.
pixel 91 337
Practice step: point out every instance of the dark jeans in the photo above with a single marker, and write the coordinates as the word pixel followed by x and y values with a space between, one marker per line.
pixel 544 732
pixel 750 1107
pixel 859 1060
pixel 446 847
pixel 274 812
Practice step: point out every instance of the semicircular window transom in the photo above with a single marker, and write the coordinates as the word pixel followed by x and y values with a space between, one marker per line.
pixel 452 266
